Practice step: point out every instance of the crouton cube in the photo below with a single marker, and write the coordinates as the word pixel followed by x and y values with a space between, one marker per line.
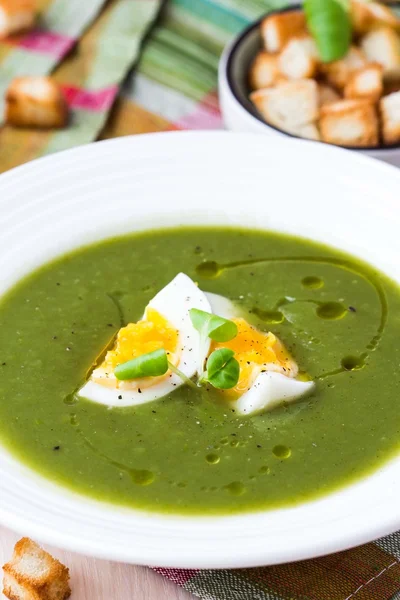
pixel 349 123
pixel 15 16
pixel 289 104
pixel 33 574
pixel 338 72
pixel 299 58
pixel 327 94
pixel 277 29
pixel 367 15
pixel 366 83
pixel 308 131
pixel 263 71
pixel 382 45
pixel 35 102
pixel 390 117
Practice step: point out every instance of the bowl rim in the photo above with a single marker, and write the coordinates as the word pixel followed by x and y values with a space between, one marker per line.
pixel 227 63
pixel 77 178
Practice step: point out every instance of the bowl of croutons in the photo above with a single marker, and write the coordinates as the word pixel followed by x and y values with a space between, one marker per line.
pixel 324 71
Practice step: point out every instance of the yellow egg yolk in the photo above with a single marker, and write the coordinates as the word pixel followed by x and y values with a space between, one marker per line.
pixel 152 333
pixel 256 351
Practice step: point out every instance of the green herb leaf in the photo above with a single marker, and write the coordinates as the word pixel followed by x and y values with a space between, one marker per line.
pixel 329 22
pixel 151 364
pixel 222 369
pixel 212 326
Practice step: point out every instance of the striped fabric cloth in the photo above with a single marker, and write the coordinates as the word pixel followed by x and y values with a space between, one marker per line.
pixel 37 52
pixel 174 86
pixel 91 75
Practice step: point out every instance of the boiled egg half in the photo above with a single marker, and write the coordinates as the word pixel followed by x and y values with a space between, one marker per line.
pixel 165 324
pixel 268 374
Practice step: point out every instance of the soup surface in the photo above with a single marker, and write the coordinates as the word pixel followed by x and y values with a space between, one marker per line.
pixel 189 452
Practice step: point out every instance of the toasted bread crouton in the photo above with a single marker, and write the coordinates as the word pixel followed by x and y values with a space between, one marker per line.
pixel 288 105
pixel 15 16
pixel 368 15
pixel 35 102
pixel 308 131
pixel 299 58
pixel 338 72
pixel 366 83
pixel 327 94
pixel 277 29
pixel 382 45
pixel 263 71
pixel 390 117
pixel 349 123
pixel 33 574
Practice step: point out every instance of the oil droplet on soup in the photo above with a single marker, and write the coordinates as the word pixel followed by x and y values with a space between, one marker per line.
pixel 264 470
pixel 142 477
pixel 312 283
pixel 208 269
pixel 274 317
pixel 236 488
pixel 212 459
pixel 281 452
pixel 353 363
pixel 331 310
pixel 71 399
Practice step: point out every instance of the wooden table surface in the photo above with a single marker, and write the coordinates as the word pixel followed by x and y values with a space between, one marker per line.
pixel 93 579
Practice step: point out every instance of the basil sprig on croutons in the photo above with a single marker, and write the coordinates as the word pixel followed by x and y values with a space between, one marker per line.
pixel 329 22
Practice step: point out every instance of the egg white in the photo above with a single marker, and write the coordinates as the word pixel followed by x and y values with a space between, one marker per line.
pixel 269 390
pixel 173 302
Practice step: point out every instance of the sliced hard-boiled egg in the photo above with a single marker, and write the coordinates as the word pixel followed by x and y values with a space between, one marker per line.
pixel 269 390
pixel 257 352
pixel 165 324
pixel 267 371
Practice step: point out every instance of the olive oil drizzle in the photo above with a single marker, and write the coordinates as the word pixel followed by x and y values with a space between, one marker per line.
pixel 117 304
pixel 72 398
pixel 212 270
pixel 138 476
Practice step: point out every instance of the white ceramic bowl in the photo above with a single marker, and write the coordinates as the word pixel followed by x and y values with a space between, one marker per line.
pixel 239 113
pixel 133 183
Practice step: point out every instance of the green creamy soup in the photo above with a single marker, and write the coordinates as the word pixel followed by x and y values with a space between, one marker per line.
pixel 189 452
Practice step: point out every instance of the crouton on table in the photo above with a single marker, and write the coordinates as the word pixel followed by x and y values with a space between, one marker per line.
pixel 382 45
pixel 338 72
pixel 263 71
pixel 289 105
pixel 299 58
pixel 33 574
pixel 367 15
pixel 390 117
pixel 15 16
pixel 366 83
pixel 277 29
pixel 35 102
pixel 349 123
